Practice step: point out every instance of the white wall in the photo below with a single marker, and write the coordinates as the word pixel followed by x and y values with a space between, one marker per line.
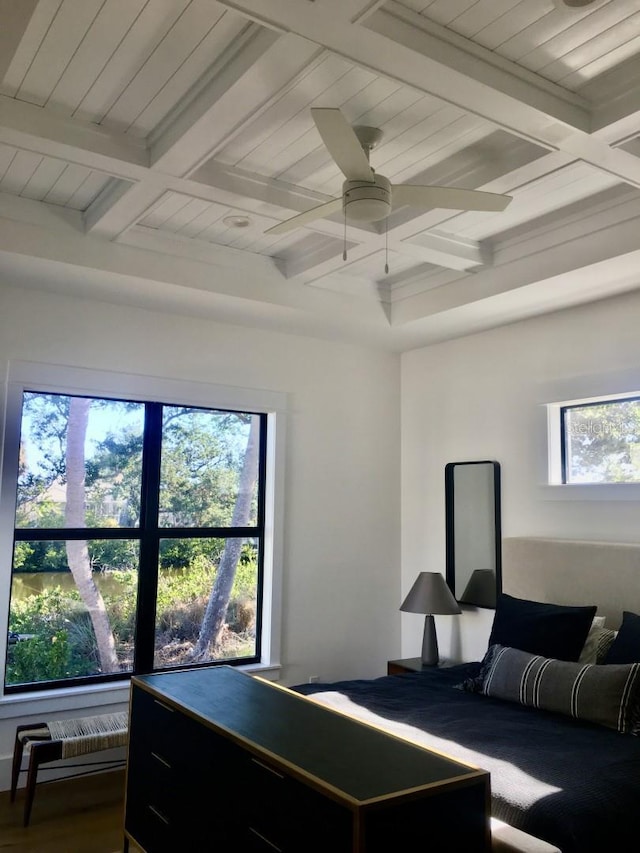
pixel 342 499
pixel 482 397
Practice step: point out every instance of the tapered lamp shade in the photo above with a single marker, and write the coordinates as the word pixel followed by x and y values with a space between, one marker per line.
pixel 481 589
pixel 430 594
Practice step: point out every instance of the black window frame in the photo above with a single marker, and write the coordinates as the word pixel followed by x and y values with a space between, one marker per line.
pixel 149 534
pixel 632 398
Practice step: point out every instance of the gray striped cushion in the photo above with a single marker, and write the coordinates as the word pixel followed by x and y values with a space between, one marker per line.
pixel 607 695
pixel 597 644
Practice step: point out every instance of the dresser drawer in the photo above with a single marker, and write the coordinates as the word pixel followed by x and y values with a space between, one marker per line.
pixel 183 787
pixel 177 817
pixel 155 725
pixel 253 841
pixel 173 740
pixel 291 816
pixel 152 829
pixel 154 783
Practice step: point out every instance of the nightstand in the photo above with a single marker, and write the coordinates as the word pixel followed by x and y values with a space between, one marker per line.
pixel 397 667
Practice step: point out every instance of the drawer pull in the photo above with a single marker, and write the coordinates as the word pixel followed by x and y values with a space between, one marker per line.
pixel 158 815
pixel 161 759
pixel 163 706
pixel 266 767
pixel 266 840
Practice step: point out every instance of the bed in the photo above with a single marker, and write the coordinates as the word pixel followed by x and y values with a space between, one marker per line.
pixel 571 782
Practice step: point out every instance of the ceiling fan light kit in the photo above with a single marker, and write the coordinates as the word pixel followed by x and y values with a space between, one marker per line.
pixel 366 201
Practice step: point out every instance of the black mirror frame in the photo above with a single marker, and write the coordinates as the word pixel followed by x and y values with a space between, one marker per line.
pixel 450 521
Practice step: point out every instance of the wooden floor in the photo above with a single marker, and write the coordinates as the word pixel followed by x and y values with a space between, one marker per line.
pixel 75 816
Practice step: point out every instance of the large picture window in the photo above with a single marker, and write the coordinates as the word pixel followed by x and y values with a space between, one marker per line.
pixel 600 441
pixel 138 539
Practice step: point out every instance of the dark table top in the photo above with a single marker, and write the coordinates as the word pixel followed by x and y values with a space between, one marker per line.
pixel 358 760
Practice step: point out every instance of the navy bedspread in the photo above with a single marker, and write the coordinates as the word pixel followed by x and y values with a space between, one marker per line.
pixel 573 784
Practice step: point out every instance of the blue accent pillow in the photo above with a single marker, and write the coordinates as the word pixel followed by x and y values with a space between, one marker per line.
pixel 550 630
pixel 626 646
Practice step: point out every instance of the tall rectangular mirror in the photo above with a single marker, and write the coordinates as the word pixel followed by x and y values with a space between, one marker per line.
pixel 473 531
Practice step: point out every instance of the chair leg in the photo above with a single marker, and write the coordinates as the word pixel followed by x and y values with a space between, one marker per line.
pixel 18 751
pixel 41 753
pixel 32 776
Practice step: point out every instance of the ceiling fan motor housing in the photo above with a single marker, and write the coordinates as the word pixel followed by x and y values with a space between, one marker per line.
pixel 367 201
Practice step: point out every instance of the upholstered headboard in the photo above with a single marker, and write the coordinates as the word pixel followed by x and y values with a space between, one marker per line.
pixel 564 571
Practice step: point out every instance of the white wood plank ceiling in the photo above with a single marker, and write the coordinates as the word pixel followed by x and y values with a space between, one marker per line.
pixel 48 179
pixel 183 128
pixel 569 46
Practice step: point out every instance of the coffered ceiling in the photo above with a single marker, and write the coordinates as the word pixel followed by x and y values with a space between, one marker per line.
pixel 146 146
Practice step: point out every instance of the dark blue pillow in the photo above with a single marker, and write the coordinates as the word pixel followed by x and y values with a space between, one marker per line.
pixel 626 646
pixel 551 630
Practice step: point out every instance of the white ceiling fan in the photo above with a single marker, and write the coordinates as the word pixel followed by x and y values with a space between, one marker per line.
pixel 369 197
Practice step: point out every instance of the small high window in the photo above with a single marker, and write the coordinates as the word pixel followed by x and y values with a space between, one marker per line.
pixel 600 441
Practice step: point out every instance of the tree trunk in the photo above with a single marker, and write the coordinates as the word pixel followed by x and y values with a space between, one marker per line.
pixel 77 551
pixel 213 620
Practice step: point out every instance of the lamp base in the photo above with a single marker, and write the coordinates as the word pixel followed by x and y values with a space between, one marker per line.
pixel 429 642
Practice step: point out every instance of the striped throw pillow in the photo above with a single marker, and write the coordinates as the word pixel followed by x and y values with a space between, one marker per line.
pixel 607 695
pixel 597 645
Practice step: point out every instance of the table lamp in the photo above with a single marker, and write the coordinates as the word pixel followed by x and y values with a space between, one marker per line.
pixel 430 594
pixel 481 589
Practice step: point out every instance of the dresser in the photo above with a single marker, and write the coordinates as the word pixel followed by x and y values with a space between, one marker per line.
pixel 219 760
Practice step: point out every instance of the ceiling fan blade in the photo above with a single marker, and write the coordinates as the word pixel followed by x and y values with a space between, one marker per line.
pixel 447 197
pixel 308 216
pixel 342 143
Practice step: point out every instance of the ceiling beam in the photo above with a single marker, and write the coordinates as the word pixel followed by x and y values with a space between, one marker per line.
pixel 614 98
pixel 271 190
pixel 120 205
pixel 441 249
pixel 234 89
pixel 618 123
pixel 324 253
pixel 15 18
pixel 311 269
pixel 445 250
pixel 351 10
pixel 31 127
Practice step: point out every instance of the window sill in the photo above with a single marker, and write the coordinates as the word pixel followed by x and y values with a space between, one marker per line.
pixel 47 702
pixel 64 699
pixel 591 492
pixel 268 671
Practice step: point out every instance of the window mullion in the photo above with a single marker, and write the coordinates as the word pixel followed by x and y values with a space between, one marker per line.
pixel 563 444
pixel 149 539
